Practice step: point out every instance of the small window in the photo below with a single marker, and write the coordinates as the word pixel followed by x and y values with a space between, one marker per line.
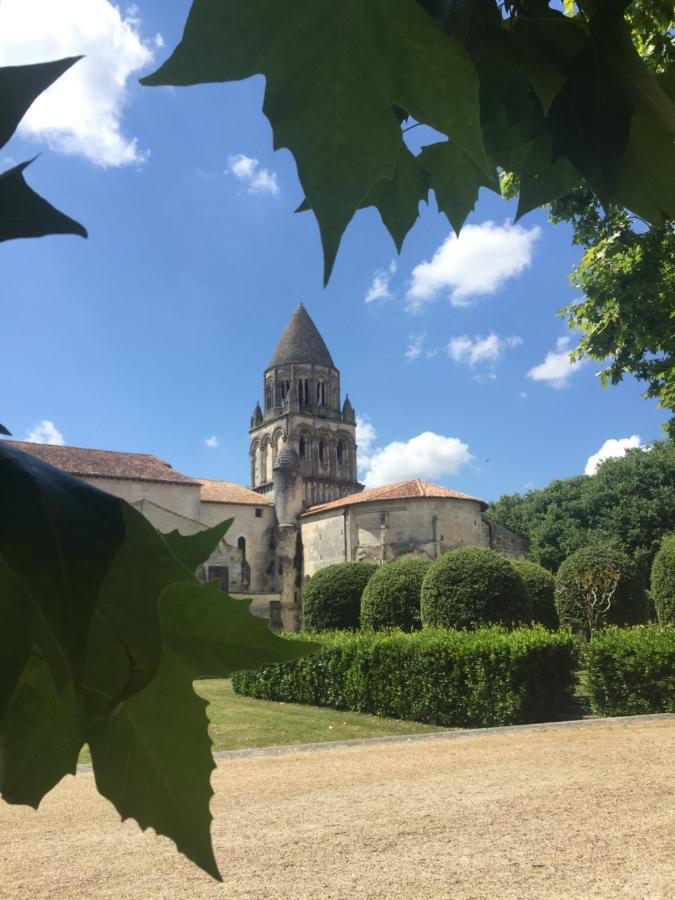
pixel 301 448
pixel 221 574
pixel 258 513
pixel 322 451
pixel 340 453
pixel 241 545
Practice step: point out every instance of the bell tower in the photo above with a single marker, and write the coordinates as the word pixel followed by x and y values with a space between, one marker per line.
pixel 302 410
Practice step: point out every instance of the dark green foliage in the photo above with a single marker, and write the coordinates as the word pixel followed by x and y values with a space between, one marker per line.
pixel 540 586
pixel 23 213
pixel 472 586
pixel 454 678
pixel 631 671
pixel 590 567
pixel 629 501
pixel 332 599
pixel 391 598
pixel 557 100
pixel 104 631
pixel 663 581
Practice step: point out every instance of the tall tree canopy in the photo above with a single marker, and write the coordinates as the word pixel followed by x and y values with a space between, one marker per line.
pixel 629 501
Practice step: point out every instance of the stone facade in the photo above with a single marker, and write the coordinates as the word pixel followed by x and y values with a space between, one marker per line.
pixel 305 508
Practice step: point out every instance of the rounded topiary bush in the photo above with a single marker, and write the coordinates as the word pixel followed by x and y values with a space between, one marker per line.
pixel 391 598
pixel 596 567
pixel 540 586
pixel 663 581
pixel 472 586
pixel 332 598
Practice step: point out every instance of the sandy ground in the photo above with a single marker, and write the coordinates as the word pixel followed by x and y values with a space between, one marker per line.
pixel 576 812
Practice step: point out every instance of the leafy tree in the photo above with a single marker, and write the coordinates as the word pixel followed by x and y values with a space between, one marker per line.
pixel 627 272
pixel 630 501
pixel 599 585
pixel 560 101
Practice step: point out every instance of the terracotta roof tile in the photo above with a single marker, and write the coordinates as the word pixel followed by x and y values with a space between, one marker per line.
pixel 229 492
pixel 400 490
pixel 104 463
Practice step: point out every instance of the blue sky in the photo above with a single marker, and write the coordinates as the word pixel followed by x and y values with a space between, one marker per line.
pixel 152 335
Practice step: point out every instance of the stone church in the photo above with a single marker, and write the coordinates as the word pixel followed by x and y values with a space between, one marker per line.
pixel 305 508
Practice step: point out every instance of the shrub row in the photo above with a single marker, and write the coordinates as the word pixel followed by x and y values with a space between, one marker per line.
pixel 632 670
pixel 452 678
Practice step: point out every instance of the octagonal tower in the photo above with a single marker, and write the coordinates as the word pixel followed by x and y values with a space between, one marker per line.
pixel 302 407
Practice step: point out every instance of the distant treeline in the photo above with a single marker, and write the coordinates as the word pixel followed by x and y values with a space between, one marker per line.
pixel 629 501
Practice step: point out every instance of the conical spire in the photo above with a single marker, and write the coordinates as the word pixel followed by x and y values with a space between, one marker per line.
pixel 348 414
pixel 301 343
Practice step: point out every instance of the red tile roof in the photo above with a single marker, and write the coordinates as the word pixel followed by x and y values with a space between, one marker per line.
pixel 104 463
pixel 229 492
pixel 400 490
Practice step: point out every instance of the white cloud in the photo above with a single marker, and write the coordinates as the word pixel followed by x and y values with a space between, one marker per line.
pixel 365 438
pixel 489 349
pixel 427 455
pixel 522 395
pixel 612 447
pixel 81 112
pixel 257 179
pixel 477 262
pixel 211 441
pixel 45 432
pixel 379 288
pixel 415 344
pixel 556 368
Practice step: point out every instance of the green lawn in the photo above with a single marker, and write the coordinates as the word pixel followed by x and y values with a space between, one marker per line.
pixel 238 723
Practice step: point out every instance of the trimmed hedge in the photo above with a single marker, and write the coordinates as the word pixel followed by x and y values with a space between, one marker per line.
pixel 473 586
pixel 332 598
pixel 663 581
pixel 490 676
pixel 540 587
pixel 391 598
pixel 632 670
pixel 629 604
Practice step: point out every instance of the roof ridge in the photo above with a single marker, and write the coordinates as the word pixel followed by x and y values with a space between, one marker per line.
pixel 87 449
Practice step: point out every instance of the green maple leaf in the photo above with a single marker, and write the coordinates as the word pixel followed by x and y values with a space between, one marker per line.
pixel 335 100
pixel 23 212
pixel 456 180
pixel 543 179
pixel 192 550
pixel 154 771
pixel 86 657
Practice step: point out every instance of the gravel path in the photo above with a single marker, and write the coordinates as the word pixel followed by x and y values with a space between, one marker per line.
pixel 577 812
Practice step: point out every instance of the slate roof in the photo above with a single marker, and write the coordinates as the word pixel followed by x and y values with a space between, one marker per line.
pixel 104 463
pixel 301 343
pixel 229 492
pixel 401 490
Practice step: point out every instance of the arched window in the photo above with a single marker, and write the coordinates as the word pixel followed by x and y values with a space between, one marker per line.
pixel 322 451
pixel 306 391
pixel 340 453
pixel 320 393
pixel 268 396
pixel 241 544
pixel 301 448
